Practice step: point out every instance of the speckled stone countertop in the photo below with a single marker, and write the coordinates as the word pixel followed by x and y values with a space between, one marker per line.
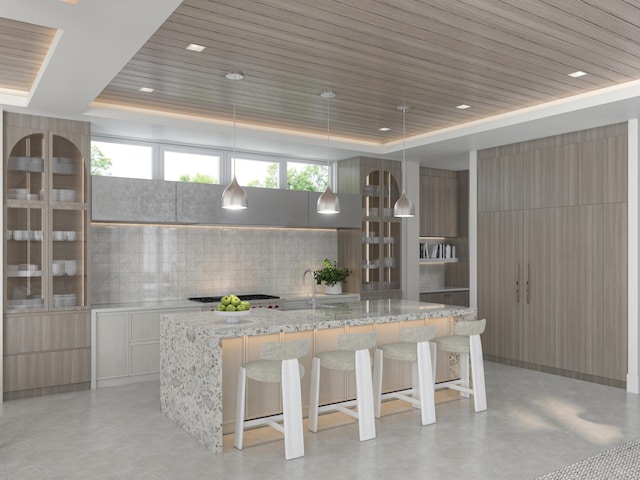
pixel 191 353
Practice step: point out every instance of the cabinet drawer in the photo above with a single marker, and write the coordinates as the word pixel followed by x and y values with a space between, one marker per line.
pixel 145 325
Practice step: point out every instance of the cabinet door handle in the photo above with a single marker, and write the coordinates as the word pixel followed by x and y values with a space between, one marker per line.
pixel 517 283
pixel 528 283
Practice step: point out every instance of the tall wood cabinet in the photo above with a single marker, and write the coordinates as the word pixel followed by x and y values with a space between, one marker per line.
pixel 552 253
pixel 46 268
pixel 372 253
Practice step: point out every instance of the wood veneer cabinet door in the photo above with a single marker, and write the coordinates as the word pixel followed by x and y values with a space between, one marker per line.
pixel 438 206
pixel 540 287
pixel 615 291
pixel 563 175
pixel 488 184
pixel 501 274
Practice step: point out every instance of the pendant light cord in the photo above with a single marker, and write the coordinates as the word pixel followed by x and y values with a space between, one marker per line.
pixel 404 148
pixel 328 143
pixel 233 173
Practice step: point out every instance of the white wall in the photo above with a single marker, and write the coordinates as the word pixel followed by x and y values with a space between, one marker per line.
pixel 633 272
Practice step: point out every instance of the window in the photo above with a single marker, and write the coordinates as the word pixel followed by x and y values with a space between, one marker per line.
pixel 311 177
pixel 121 160
pixel 257 173
pixel 191 167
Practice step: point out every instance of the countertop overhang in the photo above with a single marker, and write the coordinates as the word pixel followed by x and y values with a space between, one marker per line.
pixel 366 312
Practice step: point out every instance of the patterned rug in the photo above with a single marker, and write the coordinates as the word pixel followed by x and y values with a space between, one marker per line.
pixel 619 463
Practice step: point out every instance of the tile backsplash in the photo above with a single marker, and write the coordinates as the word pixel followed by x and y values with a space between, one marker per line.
pixel 135 263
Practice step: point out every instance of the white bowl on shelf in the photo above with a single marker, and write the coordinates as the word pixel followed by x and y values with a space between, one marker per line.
pixel 57 268
pixel 20 235
pixel 58 235
pixel 70 235
pixel 71 267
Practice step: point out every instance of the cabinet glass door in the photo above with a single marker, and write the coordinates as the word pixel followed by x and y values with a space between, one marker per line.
pixel 68 257
pixel 67 172
pixel 26 169
pixel 24 257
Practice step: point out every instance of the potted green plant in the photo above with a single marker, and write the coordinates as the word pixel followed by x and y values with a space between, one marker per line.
pixel 332 276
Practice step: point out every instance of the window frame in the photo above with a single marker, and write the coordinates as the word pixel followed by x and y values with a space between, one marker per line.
pixel 226 158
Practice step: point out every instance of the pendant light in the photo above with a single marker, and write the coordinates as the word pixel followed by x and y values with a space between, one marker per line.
pixel 328 202
pixel 234 197
pixel 404 206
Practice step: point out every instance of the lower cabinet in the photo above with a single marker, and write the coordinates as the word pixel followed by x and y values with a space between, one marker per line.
pixel 126 345
pixel 46 353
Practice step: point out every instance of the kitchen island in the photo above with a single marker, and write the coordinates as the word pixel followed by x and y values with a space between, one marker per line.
pixel 191 349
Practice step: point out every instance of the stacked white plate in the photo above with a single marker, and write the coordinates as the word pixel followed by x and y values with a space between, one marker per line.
pixel 34 302
pixel 63 195
pixel 65 300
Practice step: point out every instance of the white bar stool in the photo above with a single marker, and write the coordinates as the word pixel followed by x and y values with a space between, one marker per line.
pixel 279 363
pixel 413 347
pixel 352 355
pixel 466 342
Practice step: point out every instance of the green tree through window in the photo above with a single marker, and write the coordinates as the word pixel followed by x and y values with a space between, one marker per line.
pixel 312 178
pixel 197 178
pixel 100 164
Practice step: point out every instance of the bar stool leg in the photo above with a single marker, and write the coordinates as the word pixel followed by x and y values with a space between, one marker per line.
pixel 240 401
pixel 292 409
pixel 477 370
pixel 425 383
pixel 377 381
pixel 314 395
pixel 364 396
pixel 464 372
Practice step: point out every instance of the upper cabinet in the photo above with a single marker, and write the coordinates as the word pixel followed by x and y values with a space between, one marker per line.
pixel 438 203
pixel 46 213
pixel 159 201
pixel 579 168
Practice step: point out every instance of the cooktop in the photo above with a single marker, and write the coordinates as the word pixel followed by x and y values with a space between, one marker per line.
pixel 249 297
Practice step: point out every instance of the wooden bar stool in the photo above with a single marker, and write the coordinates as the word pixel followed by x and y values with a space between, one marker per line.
pixel 279 363
pixel 466 342
pixel 413 347
pixel 352 355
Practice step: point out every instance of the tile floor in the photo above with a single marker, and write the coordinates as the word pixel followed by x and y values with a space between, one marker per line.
pixel 535 423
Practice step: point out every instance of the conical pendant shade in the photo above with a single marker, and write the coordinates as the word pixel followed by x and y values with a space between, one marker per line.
pixel 403 207
pixel 234 197
pixel 328 202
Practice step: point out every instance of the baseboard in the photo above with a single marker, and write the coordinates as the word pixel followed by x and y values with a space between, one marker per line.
pixel 611 382
pixel 38 392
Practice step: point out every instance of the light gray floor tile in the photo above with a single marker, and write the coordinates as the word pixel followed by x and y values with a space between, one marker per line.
pixel 536 423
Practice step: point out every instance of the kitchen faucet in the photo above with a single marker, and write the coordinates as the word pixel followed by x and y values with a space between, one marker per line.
pixel 312 300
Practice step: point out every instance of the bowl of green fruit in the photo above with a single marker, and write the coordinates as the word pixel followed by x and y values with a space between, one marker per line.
pixel 232 307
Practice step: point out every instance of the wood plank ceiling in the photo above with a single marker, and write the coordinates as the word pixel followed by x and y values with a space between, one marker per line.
pixel 494 55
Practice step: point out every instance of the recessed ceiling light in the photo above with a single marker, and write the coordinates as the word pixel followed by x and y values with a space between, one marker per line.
pixel 234 76
pixel 577 74
pixel 463 107
pixel 195 47
pixel 327 95
pixel 384 129
pixel 146 89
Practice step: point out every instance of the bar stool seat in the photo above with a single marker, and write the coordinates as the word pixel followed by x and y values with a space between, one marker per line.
pixel 466 342
pixel 279 363
pixel 352 355
pixel 413 347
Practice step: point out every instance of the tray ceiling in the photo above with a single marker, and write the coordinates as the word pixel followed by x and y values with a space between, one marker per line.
pixel 497 56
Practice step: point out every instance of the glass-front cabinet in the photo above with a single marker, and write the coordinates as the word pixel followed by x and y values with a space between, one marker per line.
pixel 46 223
pixel 377 267
pixel 46 197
